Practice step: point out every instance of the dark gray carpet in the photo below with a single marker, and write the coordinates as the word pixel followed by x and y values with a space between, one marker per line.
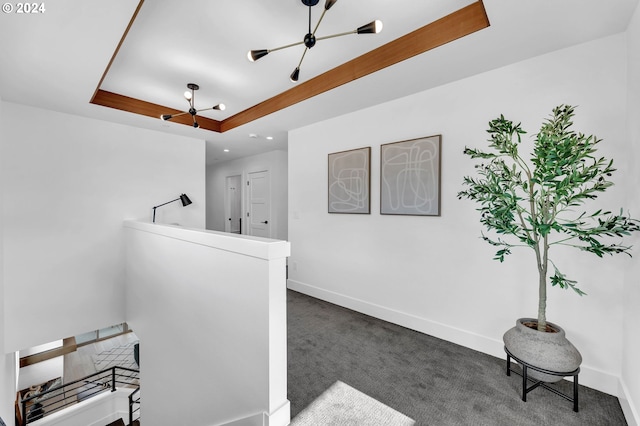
pixel 430 380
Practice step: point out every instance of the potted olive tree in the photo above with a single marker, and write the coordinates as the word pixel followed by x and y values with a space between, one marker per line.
pixel 536 203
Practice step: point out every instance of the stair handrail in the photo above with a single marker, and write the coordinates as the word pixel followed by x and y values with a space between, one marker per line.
pixel 131 402
pixel 111 382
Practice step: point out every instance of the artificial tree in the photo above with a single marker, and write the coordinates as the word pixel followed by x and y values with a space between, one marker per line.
pixel 536 201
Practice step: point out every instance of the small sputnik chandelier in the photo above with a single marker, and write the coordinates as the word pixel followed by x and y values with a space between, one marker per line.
pixel 189 95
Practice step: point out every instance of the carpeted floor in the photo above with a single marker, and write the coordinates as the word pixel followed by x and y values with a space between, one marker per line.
pixel 342 405
pixel 429 380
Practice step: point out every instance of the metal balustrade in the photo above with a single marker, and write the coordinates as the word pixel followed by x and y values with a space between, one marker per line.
pixel 134 405
pixel 60 397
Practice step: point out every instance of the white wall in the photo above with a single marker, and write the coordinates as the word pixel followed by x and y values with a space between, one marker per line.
pixel 73 181
pixel 631 336
pixel 275 162
pixel 43 371
pixel 210 311
pixel 7 361
pixel 435 274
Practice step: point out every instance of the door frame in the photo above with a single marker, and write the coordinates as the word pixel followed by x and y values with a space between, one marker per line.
pixel 227 201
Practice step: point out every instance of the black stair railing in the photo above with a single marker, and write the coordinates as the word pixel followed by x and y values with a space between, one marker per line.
pixel 58 398
pixel 134 405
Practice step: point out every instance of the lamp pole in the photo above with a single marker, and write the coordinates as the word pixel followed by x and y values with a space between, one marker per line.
pixel 183 197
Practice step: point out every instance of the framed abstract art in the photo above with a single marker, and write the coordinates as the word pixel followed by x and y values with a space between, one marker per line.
pixel 410 177
pixel 350 181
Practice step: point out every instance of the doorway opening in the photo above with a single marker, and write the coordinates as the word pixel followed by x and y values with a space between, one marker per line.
pixel 233 204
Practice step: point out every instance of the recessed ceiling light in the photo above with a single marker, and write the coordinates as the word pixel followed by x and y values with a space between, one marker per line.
pixel 269 138
pixel 226 150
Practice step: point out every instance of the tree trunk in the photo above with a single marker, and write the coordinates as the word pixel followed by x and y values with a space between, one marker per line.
pixel 542 301
pixel 542 286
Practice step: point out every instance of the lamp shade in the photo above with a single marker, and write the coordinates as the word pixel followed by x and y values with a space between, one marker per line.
pixel 371 28
pixel 295 75
pixel 185 200
pixel 329 3
pixel 254 55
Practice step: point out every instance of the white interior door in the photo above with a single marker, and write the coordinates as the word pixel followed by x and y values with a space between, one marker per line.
pixel 233 204
pixel 259 205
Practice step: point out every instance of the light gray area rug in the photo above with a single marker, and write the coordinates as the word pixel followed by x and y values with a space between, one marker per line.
pixel 345 406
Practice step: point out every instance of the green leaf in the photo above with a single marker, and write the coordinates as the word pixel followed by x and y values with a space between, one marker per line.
pixel 563 282
pixel 536 201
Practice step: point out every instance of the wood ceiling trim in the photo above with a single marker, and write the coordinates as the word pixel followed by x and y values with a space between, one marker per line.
pixel 68 346
pixel 115 53
pixel 125 103
pixel 456 25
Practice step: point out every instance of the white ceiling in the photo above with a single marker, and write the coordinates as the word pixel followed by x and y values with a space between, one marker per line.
pixel 56 59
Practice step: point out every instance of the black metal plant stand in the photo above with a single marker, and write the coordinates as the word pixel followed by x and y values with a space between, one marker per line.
pixel 526 390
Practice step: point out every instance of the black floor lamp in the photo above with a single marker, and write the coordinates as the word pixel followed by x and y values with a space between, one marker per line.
pixel 183 198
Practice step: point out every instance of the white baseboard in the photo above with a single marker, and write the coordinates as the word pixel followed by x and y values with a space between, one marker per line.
pixel 281 416
pixel 630 412
pixel 590 377
pixel 252 420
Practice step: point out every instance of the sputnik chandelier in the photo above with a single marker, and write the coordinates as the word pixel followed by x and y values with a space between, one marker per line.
pixel 190 97
pixel 310 38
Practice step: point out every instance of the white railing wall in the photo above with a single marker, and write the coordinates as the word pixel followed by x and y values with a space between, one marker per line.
pixel 210 311
pixel 96 411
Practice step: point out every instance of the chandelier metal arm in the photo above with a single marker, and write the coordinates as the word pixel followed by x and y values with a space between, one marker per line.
pixel 309 41
pixel 219 107
pixel 310 38
pixel 177 115
pixel 301 58
pixel 296 72
pixel 319 20
pixel 317 39
pixel 337 35
pixel 284 47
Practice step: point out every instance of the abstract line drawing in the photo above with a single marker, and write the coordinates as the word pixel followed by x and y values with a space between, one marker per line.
pixel 349 181
pixel 410 177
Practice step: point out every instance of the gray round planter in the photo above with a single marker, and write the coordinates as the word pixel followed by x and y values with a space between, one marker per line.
pixel 550 351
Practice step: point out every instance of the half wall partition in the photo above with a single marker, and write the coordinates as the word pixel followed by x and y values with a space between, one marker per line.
pixel 210 311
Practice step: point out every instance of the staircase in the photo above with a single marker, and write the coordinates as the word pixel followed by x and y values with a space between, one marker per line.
pixel 37 407
pixel 120 422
